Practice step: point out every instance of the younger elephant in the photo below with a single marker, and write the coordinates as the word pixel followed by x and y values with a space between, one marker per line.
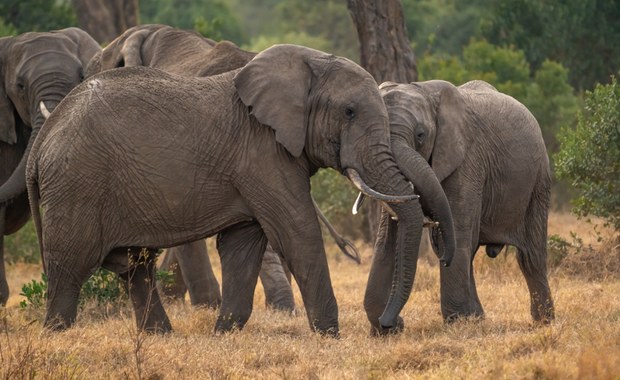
pixel 37 70
pixel 141 158
pixel 487 150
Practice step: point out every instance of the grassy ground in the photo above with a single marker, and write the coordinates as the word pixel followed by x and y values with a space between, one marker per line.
pixel 583 343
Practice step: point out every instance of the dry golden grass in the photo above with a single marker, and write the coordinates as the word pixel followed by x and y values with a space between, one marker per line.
pixel 583 343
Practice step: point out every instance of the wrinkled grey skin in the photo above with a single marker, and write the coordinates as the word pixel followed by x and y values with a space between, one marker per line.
pixel 172 160
pixel 187 53
pixel 34 68
pixel 487 150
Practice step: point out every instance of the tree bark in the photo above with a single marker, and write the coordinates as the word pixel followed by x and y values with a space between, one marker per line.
pixel 105 20
pixel 386 54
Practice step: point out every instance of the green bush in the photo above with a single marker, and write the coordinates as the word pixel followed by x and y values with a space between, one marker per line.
pixel 589 156
pixel 546 92
pixel 35 293
pixel 335 195
pixel 22 246
pixel 103 287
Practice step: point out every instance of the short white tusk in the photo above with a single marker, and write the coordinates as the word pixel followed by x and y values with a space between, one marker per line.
pixel 44 110
pixel 358 203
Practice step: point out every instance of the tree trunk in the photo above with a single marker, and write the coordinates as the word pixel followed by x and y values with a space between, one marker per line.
pixel 386 54
pixel 105 20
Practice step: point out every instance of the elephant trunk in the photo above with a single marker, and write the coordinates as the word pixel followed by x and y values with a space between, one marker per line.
pixel 388 179
pixel 16 184
pixel 432 197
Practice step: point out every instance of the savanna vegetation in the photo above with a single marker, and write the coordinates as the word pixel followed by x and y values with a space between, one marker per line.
pixel 557 59
pixel 583 343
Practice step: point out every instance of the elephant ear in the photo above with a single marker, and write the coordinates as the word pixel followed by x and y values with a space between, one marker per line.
pixel 7 113
pixel 132 48
pixel 87 46
pixel 450 140
pixel 275 86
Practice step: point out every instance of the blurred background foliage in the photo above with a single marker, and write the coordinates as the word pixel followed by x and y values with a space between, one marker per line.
pixel 545 53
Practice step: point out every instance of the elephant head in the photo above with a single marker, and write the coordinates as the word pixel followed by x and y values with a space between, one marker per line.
pixel 173 50
pixel 37 70
pixel 411 125
pixel 431 117
pixel 342 98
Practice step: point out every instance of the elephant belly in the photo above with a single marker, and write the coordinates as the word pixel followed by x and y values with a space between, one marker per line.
pixel 505 202
pixel 184 219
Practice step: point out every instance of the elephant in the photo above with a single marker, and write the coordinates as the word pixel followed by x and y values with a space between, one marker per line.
pixel 487 151
pixel 187 53
pixel 141 158
pixel 36 71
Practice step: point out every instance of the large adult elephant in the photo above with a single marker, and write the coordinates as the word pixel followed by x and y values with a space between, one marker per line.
pixel 487 150
pixel 187 53
pixel 166 160
pixel 36 71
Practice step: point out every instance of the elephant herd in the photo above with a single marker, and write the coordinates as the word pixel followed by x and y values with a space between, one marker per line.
pixel 164 138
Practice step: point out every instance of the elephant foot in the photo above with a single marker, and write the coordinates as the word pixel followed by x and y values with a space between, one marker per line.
pixel 544 313
pixel 286 306
pixel 378 330
pixel 57 323
pixel 159 328
pixel 227 324
pixel 331 332
pixel 460 316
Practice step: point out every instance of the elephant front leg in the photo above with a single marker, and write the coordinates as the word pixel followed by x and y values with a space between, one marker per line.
pixel 142 288
pixel 459 297
pixel 308 264
pixel 276 282
pixel 241 249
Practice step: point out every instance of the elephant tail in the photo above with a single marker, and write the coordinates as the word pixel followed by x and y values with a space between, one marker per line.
pixel 32 185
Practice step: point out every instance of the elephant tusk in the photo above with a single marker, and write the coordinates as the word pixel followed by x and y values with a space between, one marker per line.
pixel 389 211
pixel 358 203
pixel 360 199
pixel 361 186
pixel 430 224
pixel 44 111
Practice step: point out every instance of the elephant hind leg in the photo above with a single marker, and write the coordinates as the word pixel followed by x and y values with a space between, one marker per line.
pixel 241 248
pixel 532 253
pixel 198 276
pixel 64 282
pixel 276 281
pixel 140 283
pixel 533 265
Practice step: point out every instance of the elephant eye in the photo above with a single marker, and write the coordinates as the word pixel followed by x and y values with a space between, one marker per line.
pixel 21 86
pixel 81 75
pixel 349 112
pixel 420 134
